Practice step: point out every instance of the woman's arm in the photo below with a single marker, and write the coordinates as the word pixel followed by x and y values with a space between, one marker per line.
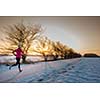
pixel 22 52
pixel 14 52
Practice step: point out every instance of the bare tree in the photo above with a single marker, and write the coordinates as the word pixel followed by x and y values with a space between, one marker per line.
pixel 23 35
pixel 65 51
pixel 43 46
pixel 60 50
pixel 71 53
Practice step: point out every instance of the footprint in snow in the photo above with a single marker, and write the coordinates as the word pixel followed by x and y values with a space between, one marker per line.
pixel 40 80
pixel 73 66
pixel 64 71
pixel 69 68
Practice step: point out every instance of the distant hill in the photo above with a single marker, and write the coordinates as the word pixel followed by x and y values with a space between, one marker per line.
pixel 90 55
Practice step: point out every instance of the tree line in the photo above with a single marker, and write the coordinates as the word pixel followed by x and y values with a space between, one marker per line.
pixel 31 38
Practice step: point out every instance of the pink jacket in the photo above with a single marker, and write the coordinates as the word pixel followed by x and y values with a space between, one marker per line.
pixel 18 53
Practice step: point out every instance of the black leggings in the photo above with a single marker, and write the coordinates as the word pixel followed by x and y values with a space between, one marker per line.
pixel 17 63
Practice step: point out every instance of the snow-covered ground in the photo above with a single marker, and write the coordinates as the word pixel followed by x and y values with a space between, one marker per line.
pixel 84 70
pixel 12 59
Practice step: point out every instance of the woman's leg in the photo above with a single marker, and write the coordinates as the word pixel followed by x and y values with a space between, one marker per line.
pixel 18 62
pixel 14 64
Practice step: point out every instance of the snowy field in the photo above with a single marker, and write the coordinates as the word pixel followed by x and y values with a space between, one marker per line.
pixel 79 70
pixel 12 59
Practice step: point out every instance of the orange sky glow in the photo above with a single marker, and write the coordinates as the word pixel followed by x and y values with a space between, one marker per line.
pixel 80 33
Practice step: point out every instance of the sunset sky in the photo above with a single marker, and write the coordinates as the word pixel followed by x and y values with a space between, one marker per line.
pixel 80 33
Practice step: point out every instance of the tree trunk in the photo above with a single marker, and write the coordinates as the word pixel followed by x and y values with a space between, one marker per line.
pixel 45 58
pixel 24 58
pixel 56 57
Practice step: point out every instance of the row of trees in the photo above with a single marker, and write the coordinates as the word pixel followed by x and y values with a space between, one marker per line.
pixel 52 49
pixel 31 38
